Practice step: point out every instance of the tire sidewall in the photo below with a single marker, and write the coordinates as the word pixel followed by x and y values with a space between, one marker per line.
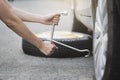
pixel 109 44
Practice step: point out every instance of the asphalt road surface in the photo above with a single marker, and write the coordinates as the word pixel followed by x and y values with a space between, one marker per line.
pixel 15 65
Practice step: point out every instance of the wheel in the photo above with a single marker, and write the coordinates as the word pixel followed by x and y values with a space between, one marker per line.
pixel 106 41
pixel 77 40
pixel 100 40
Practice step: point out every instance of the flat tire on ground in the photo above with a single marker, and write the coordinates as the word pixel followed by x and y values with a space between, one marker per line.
pixel 74 39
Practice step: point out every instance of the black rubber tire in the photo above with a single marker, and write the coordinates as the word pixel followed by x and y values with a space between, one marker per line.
pixel 63 52
pixel 115 64
pixel 110 68
pixel 102 43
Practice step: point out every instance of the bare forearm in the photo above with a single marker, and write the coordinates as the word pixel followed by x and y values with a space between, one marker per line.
pixel 27 16
pixel 16 24
pixel 20 28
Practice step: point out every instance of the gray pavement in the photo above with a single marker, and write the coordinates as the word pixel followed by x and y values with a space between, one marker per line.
pixel 15 65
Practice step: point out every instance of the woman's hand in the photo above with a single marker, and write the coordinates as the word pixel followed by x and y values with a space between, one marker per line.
pixel 48 48
pixel 51 19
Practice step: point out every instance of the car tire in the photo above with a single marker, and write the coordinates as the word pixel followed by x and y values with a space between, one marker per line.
pixel 84 42
pixel 106 41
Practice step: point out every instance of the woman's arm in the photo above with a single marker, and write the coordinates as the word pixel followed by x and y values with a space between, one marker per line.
pixel 32 17
pixel 16 24
pixel 27 16
pixel 37 18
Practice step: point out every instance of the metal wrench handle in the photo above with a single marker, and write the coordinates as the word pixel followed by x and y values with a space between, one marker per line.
pixel 73 48
pixel 52 32
pixel 53 26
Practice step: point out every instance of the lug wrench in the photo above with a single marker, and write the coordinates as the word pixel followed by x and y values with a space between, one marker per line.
pixel 52 32
pixel 73 48
pixel 53 25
